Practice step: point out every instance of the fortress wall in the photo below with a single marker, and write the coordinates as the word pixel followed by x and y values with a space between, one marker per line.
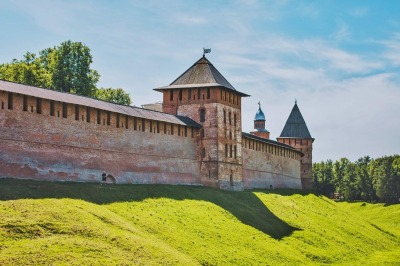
pixel 51 147
pixel 265 165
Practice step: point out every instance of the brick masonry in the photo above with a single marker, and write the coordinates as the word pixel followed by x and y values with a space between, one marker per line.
pixel 52 140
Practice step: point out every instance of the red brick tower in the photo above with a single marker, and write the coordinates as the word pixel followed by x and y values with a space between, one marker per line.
pixel 296 134
pixel 259 124
pixel 204 95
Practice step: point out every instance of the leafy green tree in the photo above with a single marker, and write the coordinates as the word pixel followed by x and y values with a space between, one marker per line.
pixel 113 95
pixel 388 178
pixel 65 67
pixel 27 71
pixel 351 190
pixel 365 181
pixel 71 69
pixel 339 168
pixel 323 178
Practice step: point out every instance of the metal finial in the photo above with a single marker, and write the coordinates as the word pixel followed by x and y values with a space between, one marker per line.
pixel 295 101
pixel 206 51
pixel 259 104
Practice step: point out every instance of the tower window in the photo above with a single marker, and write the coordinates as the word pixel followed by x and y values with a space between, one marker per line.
pixel 135 123
pixel 198 93
pixel 224 117
pixel 226 150
pixel 76 110
pixel 208 93
pixel 230 151
pixel 235 150
pixel 202 115
pixel 171 95
pixel 230 118
pixel 143 124
pixel 234 119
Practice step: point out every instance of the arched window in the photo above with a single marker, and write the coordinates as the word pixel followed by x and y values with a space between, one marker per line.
pixel 202 115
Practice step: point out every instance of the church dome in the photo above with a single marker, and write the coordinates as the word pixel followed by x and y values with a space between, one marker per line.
pixel 259 115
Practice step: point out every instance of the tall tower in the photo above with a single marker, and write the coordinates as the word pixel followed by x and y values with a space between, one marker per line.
pixel 259 124
pixel 204 95
pixel 295 133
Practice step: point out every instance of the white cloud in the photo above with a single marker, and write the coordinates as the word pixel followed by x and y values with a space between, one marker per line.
pixel 342 33
pixel 392 52
pixel 358 11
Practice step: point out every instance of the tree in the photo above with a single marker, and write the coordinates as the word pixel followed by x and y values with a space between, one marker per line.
pixel 339 168
pixel 113 95
pixel 365 181
pixel 71 69
pixel 388 178
pixel 66 68
pixel 351 191
pixel 323 178
pixel 27 71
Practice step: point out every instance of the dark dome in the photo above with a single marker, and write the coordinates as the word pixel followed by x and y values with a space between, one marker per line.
pixel 259 115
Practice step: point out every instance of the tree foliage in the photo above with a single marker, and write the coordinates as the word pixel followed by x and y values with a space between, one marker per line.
pixel 113 95
pixel 66 68
pixel 366 179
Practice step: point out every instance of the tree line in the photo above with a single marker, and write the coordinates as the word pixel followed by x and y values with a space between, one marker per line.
pixel 65 68
pixel 367 179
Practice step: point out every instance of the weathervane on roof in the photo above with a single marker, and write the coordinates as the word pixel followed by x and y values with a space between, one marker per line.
pixel 206 51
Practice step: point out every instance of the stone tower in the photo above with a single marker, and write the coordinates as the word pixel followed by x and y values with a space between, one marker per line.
pixel 259 124
pixel 204 95
pixel 295 133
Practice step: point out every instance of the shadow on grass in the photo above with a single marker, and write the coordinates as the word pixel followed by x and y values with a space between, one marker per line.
pixel 245 206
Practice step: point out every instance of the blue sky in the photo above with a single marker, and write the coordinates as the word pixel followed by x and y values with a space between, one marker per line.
pixel 340 59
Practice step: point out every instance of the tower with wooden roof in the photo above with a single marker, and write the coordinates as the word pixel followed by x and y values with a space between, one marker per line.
pixel 203 94
pixel 295 133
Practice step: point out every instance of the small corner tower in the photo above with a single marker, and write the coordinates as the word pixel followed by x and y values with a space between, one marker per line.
pixel 259 124
pixel 295 133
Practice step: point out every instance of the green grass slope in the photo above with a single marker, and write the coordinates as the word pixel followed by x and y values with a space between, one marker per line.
pixel 90 224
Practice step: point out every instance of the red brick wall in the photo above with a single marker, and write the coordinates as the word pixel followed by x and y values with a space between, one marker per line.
pixel 304 146
pixel 48 147
pixel 266 165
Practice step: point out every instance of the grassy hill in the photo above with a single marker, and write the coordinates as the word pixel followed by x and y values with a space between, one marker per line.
pixel 92 224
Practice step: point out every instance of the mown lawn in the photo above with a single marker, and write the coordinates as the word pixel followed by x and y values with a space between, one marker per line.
pixel 44 223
